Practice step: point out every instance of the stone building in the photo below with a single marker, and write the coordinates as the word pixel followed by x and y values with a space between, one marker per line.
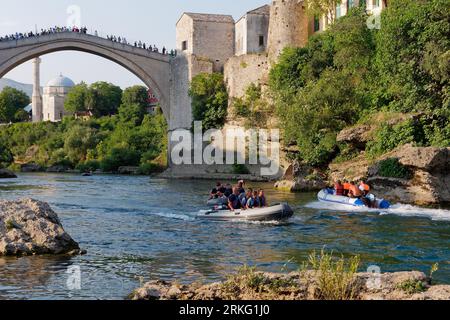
pixel 206 39
pixel 252 31
pixel 55 94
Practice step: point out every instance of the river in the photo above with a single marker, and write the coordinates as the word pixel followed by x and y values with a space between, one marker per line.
pixel 137 229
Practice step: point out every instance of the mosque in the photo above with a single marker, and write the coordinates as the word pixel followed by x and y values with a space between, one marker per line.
pixel 50 105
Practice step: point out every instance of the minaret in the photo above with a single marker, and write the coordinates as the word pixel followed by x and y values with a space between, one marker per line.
pixel 37 98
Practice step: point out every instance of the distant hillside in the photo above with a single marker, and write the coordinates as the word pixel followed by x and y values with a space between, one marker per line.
pixel 27 88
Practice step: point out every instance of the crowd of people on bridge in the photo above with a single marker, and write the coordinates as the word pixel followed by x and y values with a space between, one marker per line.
pixel 238 197
pixel 84 30
pixel 142 45
pixel 43 32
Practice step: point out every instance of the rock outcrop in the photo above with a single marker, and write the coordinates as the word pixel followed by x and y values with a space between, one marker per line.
pixel 430 180
pixel 7 174
pixel 29 227
pixel 301 178
pixel 297 286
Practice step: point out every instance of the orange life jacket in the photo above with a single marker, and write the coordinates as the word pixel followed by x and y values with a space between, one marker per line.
pixel 347 186
pixel 354 190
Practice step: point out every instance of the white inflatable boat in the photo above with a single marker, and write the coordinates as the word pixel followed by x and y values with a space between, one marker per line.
pixel 277 212
pixel 327 195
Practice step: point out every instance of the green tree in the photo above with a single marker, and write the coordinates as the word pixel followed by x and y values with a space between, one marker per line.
pixel 104 99
pixel 78 140
pixel 132 114
pixel 319 8
pixel 11 101
pixel 76 98
pixel 209 100
pixel 135 95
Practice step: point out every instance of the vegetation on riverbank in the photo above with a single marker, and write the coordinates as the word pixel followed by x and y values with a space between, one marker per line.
pixel 128 137
pixel 350 74
pixel 324 276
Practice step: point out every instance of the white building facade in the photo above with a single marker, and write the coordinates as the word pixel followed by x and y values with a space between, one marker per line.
pixel 55 94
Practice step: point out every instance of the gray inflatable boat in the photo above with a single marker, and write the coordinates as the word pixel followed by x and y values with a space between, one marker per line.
pixel 277 212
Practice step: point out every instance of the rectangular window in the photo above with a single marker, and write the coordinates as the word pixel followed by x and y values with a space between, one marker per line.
pixel 261 41
pixel 316 24
pixel 184 45
pixel 377 3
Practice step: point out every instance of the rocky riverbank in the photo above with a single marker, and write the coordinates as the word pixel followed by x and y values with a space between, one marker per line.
pixel 30 227
pixel 251 285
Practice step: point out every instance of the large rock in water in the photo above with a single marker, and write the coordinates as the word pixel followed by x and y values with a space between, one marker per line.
pixel 300 177
pixel 7 174
pixel 29 227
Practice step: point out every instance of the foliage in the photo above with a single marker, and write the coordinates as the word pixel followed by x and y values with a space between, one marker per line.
pixel 209 100
pixel 6 157
pixel 388 137
pixel 135 95
pixel 253 107
pixel 348 73
pixel 118 157
pixel 412 286
pixel 335 276
pixel 392 168
pixel 412 57
pixel 12 102
pixel 101 98
pixel 319 89
pixel 321 8
pixel 240 169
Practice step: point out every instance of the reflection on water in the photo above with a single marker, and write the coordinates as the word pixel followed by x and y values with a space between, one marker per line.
pixel 136 229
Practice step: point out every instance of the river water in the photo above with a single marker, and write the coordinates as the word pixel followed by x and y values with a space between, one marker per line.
pixel 137 229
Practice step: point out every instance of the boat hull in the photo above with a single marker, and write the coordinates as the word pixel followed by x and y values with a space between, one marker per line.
pixel 275 213
pixel 326 195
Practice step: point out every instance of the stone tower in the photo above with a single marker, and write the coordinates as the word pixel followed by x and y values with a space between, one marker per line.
pixel 37 98
pixel 289 26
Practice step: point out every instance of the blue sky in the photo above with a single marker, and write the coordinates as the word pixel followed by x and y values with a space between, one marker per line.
pixel 151 21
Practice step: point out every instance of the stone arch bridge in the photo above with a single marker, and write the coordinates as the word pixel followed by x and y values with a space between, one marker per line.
pixel 167 76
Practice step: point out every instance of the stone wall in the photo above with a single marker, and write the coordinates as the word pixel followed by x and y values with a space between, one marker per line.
pixel 244 70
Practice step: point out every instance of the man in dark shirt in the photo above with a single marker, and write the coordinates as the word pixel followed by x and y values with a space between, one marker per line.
pixel 233 200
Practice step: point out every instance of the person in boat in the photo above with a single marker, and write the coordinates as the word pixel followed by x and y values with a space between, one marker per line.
pixel 346 188
pixel 214 192
pixel 233 200
pixel 262 199
pixel 339 188
pixel 253 200
pixel 228 190
pixel 241 185
pixel 243 197
pixel 354 191
pixel 364 187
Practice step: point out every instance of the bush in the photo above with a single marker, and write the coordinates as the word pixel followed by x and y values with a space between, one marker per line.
pixel 90 165
pixel 119 157
pixel 392 168
pixel 209 100
pixel 412 286
pixel 336 276
pixel 240 169
pixel 389 137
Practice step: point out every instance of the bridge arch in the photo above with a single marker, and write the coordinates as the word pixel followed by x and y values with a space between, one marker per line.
pixel 152 68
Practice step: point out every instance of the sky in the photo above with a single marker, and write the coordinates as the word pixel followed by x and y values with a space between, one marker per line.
pixel 152 21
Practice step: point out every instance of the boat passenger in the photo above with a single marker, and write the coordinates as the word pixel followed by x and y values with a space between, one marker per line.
pixel 253 201
pixel 262 199
pixel 339 188
pixel 364 187
pixel 228 190
pixel 346 188
pixel 233 200
pixel 243 197
pixel 241 185
pixel 354 191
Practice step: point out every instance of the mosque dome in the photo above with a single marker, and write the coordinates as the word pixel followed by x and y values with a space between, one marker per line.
pixel 61 81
